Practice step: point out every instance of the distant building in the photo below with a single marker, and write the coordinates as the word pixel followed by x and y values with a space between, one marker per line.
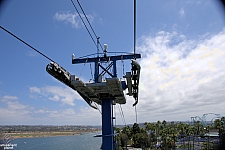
pixel 213 133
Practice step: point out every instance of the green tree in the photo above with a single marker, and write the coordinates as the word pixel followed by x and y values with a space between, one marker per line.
pixel 141 140
pixel 135 128
pixel 117 130
pixel 135 136
pixel 164 123
pixel 140 136
pixel 181 132
pixel 217 124
pixel 163 137
pixel 127 130
pixel 123 139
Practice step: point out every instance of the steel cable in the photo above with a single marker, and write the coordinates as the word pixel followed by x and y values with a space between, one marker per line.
pixel 26 43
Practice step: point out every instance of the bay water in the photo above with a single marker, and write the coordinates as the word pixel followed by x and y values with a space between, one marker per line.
pixel 74 142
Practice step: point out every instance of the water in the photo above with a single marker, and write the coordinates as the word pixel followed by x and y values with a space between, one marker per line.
pixel 73 142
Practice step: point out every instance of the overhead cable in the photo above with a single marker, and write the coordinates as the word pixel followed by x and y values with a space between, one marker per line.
pixel 85 24
pixel 89 23
pixel 135 44
pixel 26 43
pixel 134 29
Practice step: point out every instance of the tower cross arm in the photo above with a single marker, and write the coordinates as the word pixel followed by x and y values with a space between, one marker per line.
pixel 103 59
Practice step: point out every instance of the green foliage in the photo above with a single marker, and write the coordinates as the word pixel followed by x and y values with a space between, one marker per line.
pixel 117 130
pixel 135 128
pixel 166 134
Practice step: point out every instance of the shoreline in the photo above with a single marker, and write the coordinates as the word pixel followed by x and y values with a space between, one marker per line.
pixel 19 135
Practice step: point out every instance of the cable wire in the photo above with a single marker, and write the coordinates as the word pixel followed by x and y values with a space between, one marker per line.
pixel 134 29
pixel 26 43
pixel 92 77
pixel 121 114
pixel 89 23
pixel 84 23
pixel 98 108
pixel 115 114
pixel 135 43
pixel 83 68
pixel 136 112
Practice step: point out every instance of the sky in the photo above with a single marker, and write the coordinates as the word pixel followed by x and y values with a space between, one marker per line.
pixel 182 44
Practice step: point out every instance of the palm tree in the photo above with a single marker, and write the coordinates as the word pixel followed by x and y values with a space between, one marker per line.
pixel 163 134
pixel 174 133
pixel 181 131
pixel 157 127
pixel 164 123
pixel 148 127
pixel 187 130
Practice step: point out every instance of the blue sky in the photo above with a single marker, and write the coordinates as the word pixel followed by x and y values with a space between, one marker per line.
pixel 182 47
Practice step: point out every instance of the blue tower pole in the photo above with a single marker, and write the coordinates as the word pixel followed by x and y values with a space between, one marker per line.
pixel 107 125
pixel 107 120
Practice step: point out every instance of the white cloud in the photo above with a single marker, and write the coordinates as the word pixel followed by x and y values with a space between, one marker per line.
pixel 72 18
pixel 55 98
pixel 56 93
pixel 69 111
pixel 31 53
pixel 8 98
pixel 39 111
pixel 35 89
pixel 82 116
pixel 15 112
pixel 181 12
pixel 180 78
